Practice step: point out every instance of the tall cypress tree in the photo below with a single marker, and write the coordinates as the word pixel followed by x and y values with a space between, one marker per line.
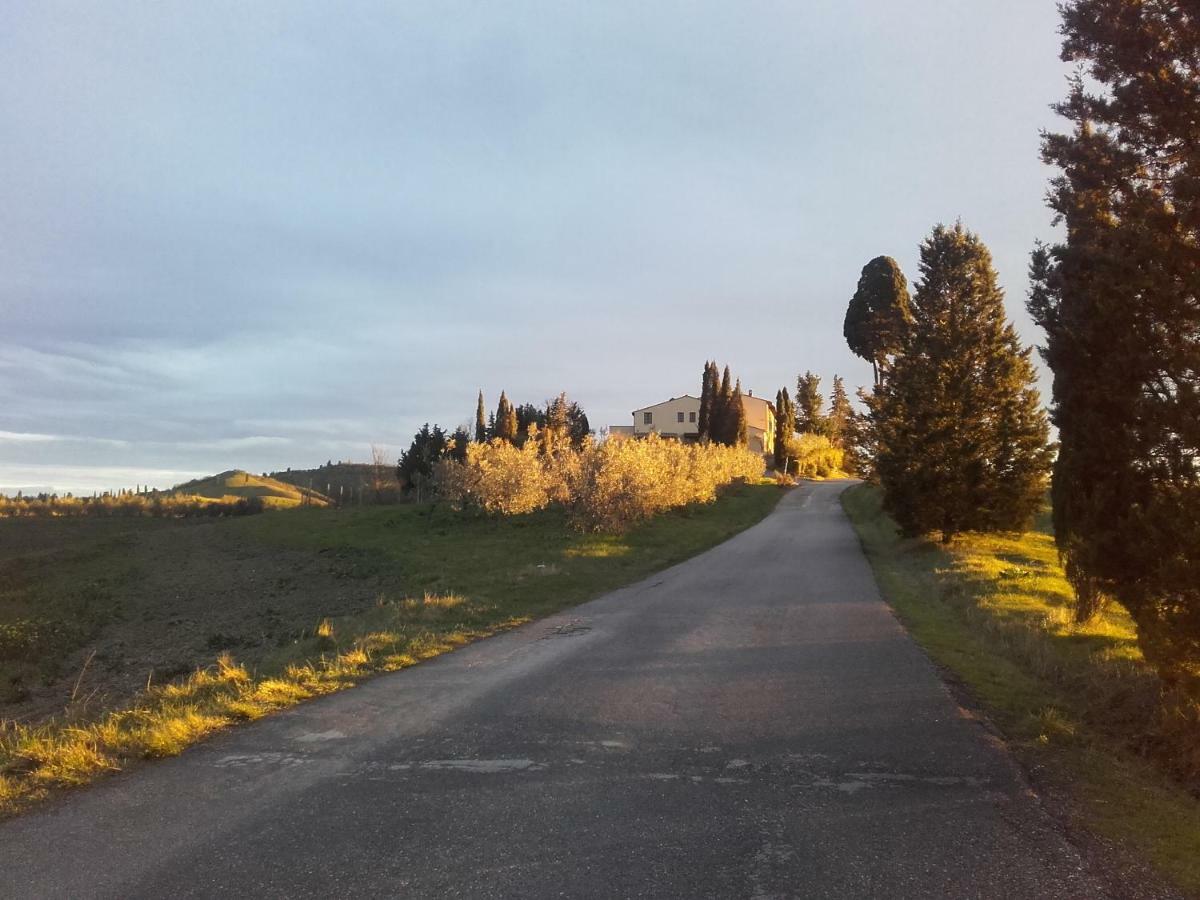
pixel 878 317
pixel 722 425
pixel 506 427
pixel 785 427
pixel 962 437
pixel 739 436
pixel 1119 301
pixel 480 421
pixel 708 395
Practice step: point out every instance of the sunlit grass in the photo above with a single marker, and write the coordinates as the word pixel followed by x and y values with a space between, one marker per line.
pixel 1075 700
pixel 467 578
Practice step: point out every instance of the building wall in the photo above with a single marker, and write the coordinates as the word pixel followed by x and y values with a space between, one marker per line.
pixel 664 418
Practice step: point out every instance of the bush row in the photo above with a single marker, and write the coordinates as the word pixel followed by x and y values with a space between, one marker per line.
pixel 148 505
pixel 608 486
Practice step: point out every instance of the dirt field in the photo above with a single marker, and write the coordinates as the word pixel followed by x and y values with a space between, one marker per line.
pixel 93 609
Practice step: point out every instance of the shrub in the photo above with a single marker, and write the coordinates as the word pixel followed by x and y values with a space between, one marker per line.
pixel 604 487
pixel 814 456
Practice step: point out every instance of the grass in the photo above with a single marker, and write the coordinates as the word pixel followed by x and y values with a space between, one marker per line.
pixel 237 484
pixel 1071 699
pixel 462 578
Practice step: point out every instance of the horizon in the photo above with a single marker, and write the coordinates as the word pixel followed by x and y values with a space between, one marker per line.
pixel 263 238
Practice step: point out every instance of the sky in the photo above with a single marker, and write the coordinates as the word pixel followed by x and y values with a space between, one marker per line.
pixel 266 235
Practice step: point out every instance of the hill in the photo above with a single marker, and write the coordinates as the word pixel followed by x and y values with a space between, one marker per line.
pixel 346 483
pixel 236 483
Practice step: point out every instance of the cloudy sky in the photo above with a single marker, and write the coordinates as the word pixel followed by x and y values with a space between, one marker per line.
pixel 267 234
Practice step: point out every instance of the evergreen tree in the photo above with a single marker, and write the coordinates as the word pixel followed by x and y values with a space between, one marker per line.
pixel 737 417
pixel 878 317
pixel 723 424
pixel 506 420
pixel 461 438
pixel 528 415
pixel 785 427
pixel 416 463
pixel 481 429
pixel 809 403
pixel 840 423
pixel 1118 300
pixel 960 429
pixel 708 396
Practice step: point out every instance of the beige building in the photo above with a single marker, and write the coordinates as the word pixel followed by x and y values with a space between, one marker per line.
pixel 679 418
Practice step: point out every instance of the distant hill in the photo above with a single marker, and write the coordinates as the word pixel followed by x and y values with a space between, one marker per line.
pixel 346 482
pixel 234 484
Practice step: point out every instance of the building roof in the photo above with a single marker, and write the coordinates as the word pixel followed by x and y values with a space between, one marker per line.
pixel 665 402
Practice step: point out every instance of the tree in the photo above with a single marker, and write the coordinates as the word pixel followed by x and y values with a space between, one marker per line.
pixel 457 449
pixel 962 437
pixel 878 317
pixel 1119 301
pixel 481 429
pixel 528 417
pixel 722 424
pixel 840 422
pixel 809 402
pixel 785 428
pixel 506 420
pixel 416 463
pixel 708 396
pixel 737 418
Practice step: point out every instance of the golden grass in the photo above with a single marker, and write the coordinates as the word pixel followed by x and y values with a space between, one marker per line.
pixel 1076 701
pixel 169 718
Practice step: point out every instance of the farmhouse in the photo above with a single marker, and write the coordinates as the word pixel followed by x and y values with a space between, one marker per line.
pixel 679 418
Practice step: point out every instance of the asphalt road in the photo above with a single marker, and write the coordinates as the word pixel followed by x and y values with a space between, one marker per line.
pixel 751 723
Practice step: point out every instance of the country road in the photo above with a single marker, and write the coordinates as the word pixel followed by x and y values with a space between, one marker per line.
pixel 751 723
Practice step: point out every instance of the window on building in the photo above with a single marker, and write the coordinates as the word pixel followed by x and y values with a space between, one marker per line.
pixel 647 418
pixel 678 417
pixel 691 417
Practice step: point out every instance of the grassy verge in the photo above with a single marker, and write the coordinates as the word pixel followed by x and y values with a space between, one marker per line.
pixel 459 578
pixel 993 609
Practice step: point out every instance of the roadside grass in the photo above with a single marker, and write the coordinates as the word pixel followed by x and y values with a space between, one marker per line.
pixel 463 578
pixel 1072 700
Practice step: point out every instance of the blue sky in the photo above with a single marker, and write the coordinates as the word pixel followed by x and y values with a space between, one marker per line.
pixel 265 235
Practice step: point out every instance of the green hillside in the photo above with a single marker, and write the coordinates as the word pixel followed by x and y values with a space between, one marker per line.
pixel 347 483
pixel 234 484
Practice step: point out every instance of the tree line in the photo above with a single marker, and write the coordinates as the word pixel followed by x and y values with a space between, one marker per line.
pixel 957 433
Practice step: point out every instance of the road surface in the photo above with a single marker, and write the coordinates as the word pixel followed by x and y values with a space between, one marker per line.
pixel 751 723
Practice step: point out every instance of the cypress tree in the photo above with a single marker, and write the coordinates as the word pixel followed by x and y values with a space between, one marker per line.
pixel 722 424
pixel 506 420
pixel 809 403
pixel 737 418
pixel 785 427
pixel 481 429
pixel 878 317
pixel 1119 301
pixel 961 435
pixel 708 393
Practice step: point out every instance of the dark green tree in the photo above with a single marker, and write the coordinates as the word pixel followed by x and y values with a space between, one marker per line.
pixel 723 424
pixel 1119 299
pixel 527 414
pixel 878 317
pixel 785 427
pixel 416 463
pixel 481 429
pixel 506 420
pixel 708 396
pixel 961 434
pixel 737 417
pixel 809 404
pixel 461 438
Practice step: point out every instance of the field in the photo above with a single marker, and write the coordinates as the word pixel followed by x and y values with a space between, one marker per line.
pixel 104 623
pixel 1076 702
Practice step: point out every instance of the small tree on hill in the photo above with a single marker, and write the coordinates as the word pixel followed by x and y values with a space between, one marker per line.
pixel 878 317
pixel 960 428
